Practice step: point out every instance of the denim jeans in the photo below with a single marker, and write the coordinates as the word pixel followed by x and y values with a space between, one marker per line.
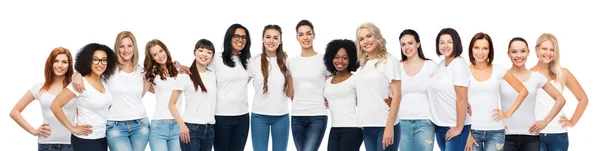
pixel 554 142
pixel 521 143
pixel 373 137
pixel 417 135
pixel 488 140
pixel 308 132
pixel 164 135
pixel 202 137
pixel 345 139
pixel 129 135
pixel 458 143
pixel 262 125
pixel 231 132
pixel 55 147
pixel 80 144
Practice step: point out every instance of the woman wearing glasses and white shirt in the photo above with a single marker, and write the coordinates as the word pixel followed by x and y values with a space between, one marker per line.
pixel 96 63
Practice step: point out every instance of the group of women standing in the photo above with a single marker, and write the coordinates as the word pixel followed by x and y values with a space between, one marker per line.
pixel 359 82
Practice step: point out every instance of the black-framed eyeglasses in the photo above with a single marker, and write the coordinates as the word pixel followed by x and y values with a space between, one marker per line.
pixel 98 61
pixel 238 37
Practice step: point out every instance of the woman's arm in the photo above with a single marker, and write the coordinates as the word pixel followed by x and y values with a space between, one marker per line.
pixel 560 102
pixel 147 87
pixel 580 95
pixel 63 98
pixel 519 87
pixel 388 134
pixel 184 132
pixel 15 114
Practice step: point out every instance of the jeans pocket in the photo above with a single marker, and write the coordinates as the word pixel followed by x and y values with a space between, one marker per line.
pixel 43 147
pixel 110 125
pixel 563 137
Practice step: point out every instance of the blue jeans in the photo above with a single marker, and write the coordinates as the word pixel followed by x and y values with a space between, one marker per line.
pixel 262 125
pixel 164 135
pixel 308 132
pixel 521 143
pixel 488 140
pixel 345 139
pixel 202 137
pixel 457 143
pixel 373 137
pixel 231 132
pixel 55 147
pixel 417 135
pixel 129 135
pixel 554 142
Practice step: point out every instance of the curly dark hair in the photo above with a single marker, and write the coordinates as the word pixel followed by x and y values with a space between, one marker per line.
pixel 332 49
pixel 83 61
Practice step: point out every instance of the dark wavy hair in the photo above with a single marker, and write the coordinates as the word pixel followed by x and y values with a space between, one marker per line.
pixel 417 39
pixel 227 48
pixel 195 76
pixel 152 68
pixel 457 48
pixel 83 61
pixel 332 49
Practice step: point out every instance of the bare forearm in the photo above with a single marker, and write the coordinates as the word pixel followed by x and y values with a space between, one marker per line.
pixel 461 112
pixel 522 95
pixel 60 116
pixel 17 117
pixel 560 102
pixel 394 107
pixel 579 110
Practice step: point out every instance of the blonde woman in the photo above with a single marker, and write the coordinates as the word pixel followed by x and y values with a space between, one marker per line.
pixel 554 136
pixel 377 77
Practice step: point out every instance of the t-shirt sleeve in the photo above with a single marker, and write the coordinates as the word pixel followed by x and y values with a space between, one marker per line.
pixel 500 71
pixel 250 66
pixel 181 81
pixel 392 69
pixel 70 87
pixel 213 64
pixel 459 71
pixel 35 90
pixel 542 79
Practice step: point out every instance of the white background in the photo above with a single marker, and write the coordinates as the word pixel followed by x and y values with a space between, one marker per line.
pixel 29 30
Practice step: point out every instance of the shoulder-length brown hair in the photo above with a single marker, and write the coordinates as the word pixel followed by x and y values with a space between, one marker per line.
pixel 49 72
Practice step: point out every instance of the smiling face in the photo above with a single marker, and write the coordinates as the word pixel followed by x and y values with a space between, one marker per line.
pixel 271 40
pixel 305 37
pixel 481 50
pixel 545 51
pixel 203 56
pixel 446 45
pixel 518 53
pixel 340 61
pixel 99 61
pixel 367 41
pixel 239 39
pixel 409 45
pixel 158 54
pixel 60 65
pixel 126 49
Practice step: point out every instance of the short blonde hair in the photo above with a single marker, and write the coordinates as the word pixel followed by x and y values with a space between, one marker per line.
pixel 381 49
pixel 122 35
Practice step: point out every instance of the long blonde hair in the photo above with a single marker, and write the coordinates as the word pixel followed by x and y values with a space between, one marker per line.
pixel 122 35
pixel 555 68
pixel 381 49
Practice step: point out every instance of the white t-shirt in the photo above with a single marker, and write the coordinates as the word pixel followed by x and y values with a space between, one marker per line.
pixel 342 102
pixel 92 109
pixel 127 89
pixel 544 105
pixel 200 107
pixel 274 102
pixel 442 96
pixel 415 102
pixel 524 117
pixel 484 97
pixel 309 75
pixel 163 90
pixel 372 87
pixel 232 86
pixel 59 134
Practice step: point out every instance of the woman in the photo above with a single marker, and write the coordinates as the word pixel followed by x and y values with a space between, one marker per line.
pixel 232 118
pixel 270 107
pixel 127 128
pixel 160 71
pixel 417 130
pixel 309 114
pixel 522 129
pixel 378 76
pixel 487 129
pixel 57 72
pixel 196 128
pixel 447 91
pixel 340 91
pixel 554 136
pixel 96 63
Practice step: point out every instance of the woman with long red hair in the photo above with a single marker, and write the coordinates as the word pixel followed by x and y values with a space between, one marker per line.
pixel 51 134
